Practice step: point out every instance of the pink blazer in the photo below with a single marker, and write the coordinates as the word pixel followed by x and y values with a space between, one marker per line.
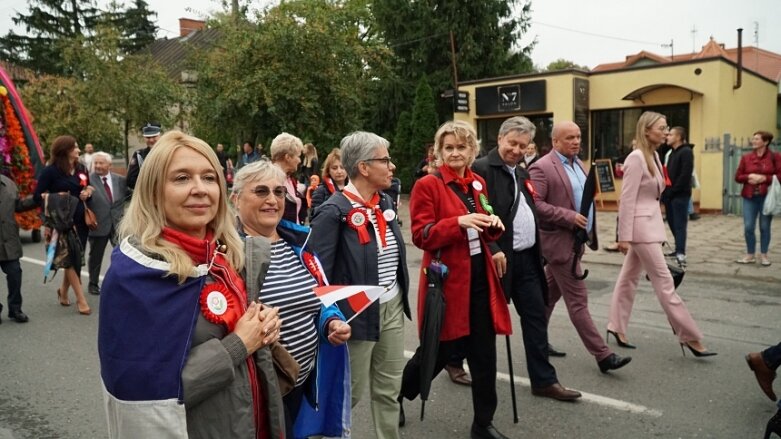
pixel 639 214
pixel 555 209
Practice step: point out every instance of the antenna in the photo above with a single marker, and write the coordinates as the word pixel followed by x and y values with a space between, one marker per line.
pixel 694 37
pixel 756 34
pixel 671 46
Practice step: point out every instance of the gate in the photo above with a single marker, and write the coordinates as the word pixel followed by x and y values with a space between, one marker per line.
pixel 733 151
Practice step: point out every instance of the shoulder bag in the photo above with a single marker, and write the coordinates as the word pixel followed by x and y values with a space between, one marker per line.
pixel 89 217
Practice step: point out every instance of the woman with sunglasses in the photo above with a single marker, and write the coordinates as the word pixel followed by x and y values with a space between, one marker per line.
pixel 308 328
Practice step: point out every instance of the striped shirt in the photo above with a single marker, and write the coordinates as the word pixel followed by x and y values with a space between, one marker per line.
pixel 289 286
pixel 387 258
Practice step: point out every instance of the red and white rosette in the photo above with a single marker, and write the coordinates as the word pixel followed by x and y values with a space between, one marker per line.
pixel 83 179
pixel 530 188
pixel 219 306
pixel 358 221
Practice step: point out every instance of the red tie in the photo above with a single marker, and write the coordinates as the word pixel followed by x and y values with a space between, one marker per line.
pixel 108 191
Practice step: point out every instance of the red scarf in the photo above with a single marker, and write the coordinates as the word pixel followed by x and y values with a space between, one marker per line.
pixel 329 184
pixel 371 205
pixel 227 281
pixel 462 182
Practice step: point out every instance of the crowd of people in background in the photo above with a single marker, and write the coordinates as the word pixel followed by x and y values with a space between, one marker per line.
pixel 236 341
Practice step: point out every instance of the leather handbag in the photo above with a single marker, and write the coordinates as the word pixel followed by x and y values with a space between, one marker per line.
pixel 286 367
pixel 90 218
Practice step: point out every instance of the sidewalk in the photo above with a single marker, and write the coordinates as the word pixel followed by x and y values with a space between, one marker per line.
pixel 713 244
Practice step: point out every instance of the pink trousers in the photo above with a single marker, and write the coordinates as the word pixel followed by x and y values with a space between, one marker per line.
pixel 648 258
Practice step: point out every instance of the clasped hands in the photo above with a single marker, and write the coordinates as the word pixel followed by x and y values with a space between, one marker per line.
pixel 756 178
pixel 258 327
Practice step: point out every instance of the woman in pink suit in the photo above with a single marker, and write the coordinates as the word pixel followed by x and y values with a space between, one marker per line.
pixel 640 234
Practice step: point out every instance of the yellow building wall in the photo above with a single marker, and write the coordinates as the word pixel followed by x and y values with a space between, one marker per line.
pixel 715 108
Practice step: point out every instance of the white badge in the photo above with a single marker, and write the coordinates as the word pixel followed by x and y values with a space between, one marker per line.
pixel 389 215
pixel 471 234
pixel 477 185
pixel 217 303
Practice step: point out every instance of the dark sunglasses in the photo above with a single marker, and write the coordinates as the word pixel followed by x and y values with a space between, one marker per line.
pixel 263 191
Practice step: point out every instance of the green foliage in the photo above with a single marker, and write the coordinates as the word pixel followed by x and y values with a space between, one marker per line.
pixel 564 64
pixel 424 121
pixel 111 98
pixel 301 68
pixel 486 34
pixel 53 27
pixel 401 140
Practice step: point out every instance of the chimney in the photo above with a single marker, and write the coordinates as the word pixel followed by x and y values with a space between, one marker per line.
pixel 739 81
pixel 189 25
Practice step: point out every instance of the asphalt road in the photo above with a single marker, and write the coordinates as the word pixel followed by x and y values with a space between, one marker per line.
pixel 50 385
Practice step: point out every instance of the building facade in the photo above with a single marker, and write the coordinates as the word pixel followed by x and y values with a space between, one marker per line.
pixel 719 101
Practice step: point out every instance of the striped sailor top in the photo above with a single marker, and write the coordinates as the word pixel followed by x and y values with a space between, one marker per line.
pixel 289 286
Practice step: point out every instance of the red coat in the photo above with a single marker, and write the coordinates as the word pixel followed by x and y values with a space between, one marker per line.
pixel 751 163
pixel 435 208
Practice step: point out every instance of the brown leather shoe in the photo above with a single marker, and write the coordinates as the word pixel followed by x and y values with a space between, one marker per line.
pixel 458 375
pixel 557 391
pixel 764 374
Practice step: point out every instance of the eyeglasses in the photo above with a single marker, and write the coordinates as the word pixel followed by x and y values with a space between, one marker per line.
pixel 262 191
pixel 386 160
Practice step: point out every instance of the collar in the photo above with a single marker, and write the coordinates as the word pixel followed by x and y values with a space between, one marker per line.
pixel 565 160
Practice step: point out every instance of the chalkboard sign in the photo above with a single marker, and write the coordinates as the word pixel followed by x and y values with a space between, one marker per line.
pixel 605 178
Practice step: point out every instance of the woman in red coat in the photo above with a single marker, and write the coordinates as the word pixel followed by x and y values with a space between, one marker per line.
pixel 451 216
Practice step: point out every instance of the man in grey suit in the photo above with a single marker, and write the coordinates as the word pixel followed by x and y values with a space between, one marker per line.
pixel 108 203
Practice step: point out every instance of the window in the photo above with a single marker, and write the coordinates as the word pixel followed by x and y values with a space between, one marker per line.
pixel 615 129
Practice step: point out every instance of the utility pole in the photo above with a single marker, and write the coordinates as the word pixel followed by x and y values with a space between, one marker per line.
pixel 694 38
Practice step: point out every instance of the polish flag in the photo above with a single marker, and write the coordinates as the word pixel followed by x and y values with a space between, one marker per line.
pixel 359 297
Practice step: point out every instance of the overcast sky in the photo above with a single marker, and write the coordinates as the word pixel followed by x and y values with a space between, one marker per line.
pixel 586 32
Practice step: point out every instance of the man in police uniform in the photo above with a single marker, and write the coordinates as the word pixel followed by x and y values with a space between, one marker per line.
pixel 151 132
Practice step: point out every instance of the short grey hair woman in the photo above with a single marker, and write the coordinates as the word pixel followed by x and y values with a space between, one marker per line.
pixel 286 153
pixel 359 243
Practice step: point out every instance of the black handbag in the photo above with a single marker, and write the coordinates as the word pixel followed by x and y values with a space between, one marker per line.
pixel 677 272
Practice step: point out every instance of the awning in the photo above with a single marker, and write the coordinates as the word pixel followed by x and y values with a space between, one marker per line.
pixel 637 95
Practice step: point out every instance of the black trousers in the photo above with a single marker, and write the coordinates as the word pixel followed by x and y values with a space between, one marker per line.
pixel 480 347
pixel 292 405
pixel 527 296
pixel 97 248
pixel 13 276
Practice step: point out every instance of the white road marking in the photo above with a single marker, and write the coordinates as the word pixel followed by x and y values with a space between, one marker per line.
pixel 43 263
pixel 604 401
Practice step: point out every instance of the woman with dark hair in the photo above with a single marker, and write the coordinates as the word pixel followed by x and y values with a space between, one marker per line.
pixel 65 174
pixel 756 171
pixel 310 164
pixel 334 179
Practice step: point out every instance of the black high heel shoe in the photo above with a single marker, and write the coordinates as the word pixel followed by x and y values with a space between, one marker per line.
pixel 695 352
pixel 620 342
pixel 773 425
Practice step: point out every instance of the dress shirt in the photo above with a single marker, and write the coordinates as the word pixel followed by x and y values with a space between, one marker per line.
pixel 524 229
pixel 577 179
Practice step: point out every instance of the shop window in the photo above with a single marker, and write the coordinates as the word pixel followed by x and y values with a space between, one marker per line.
pixel 488 129
pixel 614 129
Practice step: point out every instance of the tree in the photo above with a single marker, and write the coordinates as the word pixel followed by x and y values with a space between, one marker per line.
pixel 400 147
pixel 301 68
pixel 51 24
pixel 564 64
pixel 53 27
pixel 486 34
pixel 423 126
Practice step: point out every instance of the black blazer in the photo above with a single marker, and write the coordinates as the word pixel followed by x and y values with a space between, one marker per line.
pixel 502 196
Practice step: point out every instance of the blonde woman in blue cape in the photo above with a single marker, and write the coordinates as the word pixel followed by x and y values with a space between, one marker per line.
pixel 183 348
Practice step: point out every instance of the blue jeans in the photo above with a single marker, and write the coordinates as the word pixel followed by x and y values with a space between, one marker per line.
pixel 752 207
pixel 678 219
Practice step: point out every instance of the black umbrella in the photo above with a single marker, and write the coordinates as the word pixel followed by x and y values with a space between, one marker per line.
pixel 431 326
pixel 581 235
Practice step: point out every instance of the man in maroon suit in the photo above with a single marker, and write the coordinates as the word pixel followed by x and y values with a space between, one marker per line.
pixel 558 179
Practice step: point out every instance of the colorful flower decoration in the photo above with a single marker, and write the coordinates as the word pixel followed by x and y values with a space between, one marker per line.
pixel 15 159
